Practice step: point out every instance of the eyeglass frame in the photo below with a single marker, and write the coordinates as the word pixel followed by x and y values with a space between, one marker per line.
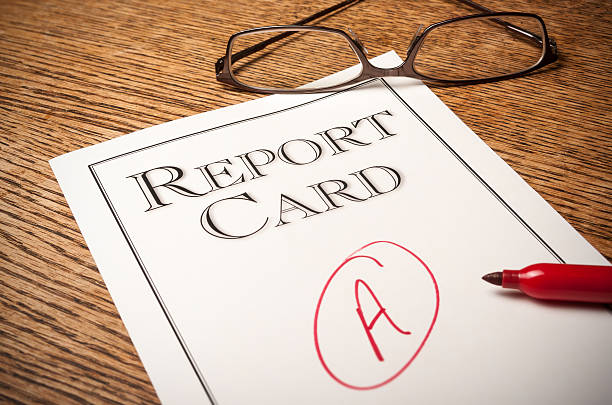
pixel 406 69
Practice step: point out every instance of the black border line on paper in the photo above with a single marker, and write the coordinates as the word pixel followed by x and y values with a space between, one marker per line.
pixel 148 277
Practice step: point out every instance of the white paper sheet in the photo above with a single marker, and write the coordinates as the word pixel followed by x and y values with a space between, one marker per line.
pixel 232 301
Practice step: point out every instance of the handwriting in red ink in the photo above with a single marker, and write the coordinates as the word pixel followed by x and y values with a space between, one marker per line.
pixel 369 326
pixel 409 283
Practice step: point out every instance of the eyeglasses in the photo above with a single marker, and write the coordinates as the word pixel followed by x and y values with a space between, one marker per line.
pixel 465 50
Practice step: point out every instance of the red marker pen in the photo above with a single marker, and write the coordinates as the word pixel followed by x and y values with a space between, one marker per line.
pixel 563 282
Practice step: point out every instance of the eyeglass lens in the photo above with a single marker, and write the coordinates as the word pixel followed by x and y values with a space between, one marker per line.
pixel 480 48
pixel 294 61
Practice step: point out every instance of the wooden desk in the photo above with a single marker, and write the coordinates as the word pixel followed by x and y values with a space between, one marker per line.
pixel 75 72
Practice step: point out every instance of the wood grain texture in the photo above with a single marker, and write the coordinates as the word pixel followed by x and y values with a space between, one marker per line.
pixel 76 72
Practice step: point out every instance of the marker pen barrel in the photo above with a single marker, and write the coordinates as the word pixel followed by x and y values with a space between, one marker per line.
pixel 563 282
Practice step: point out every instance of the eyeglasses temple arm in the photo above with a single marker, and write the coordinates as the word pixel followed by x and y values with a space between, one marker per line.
pixel 511 27
pixel 261 45
pixel 476 6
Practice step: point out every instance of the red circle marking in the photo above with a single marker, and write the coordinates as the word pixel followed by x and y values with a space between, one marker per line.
pixel 405 366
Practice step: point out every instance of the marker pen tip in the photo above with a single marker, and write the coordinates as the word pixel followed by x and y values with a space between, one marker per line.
pixel 493 278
